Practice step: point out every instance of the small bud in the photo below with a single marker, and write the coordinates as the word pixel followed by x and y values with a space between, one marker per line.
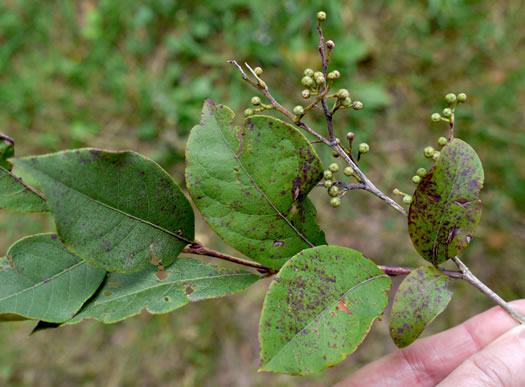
pixel 307 81
pixel 442 141
pixel 364 147
pixel 335 202
pixel 333 167
pixel 407 199
pixel 462 97
pixel 348 171
pixel 342 93
pixel 357 105
pixel 429 152
pixel 347 102
pixel 416 179
pixel 396 191
pixel 321 16
pixel 305 94
pixel 333 75
pixel 450 98
pixel 330 44
pixel 256 101
pixel 309 72
pixel 328 183
pixel 298 110
pixel 320 80
pixel 258 71
pixel 447 112
pixel 248 112
pixel 333 191
pixel 350 136
pixel 327 175
pixel 421 172
pixel 436 117
pixel 435 156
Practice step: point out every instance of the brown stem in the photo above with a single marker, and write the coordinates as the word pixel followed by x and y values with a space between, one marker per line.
pixel 396 271
pixel 451 132
pixel 7 139
pixel 197 249
pixel 474 281
pixel 27 186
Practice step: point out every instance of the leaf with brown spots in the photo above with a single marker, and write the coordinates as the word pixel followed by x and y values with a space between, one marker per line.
pixel 446 209
pixel 113 208
pixel 319 308
pixel 187 280
pixel 42 280
pixel 421 297
pixel 251 184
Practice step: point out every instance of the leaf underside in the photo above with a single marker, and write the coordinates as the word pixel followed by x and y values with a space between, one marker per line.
pixel 251 183
pixel 187 280
pixel 421 297
pixel 116 210
pixel 319 308
pixel 446 209
pixel 41 279
pixel 15 196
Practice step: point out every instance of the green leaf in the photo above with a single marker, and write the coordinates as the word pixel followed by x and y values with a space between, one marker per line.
pixel 250 184
pixel 114 209
pixel 7 150
pixel 40 279
pixel 446 209
pixel 319 308
pixel 421 297
pixel 188 280
pixel 18 196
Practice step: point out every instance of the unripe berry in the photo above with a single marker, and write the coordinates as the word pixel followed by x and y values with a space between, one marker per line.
pixel 342 93
pixel 305 94
pixel 357 105
pixel 335 202
pixel 258 71
pixel 318 74
pixel 350 136
pixel 347 102
pixel 256 101
pixel 327 175
pixel 407 199
pixel 436 117
pixel 450 98
pixel 309 72
pixel 298 110
pixel 416 179
pixel 442 141
pixel 364 147
pixel 462 97
pixel 421 172
pixel 447 112
pixel 333 75
pixel 328 183
pixel 319 80
pixel 330 44
pixel 248 112
pixel 348 171
pixel 333 167
pixel 333 191
pixel 435 156
pixel 321 16
pixel 429 152
pixel 307 81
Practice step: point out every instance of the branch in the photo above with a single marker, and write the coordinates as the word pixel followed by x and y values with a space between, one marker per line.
pixel 27 186
pixel 396 271
pixel 474 281
pixel 197 249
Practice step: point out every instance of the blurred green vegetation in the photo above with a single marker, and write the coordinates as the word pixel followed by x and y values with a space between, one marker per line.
pixel 133 74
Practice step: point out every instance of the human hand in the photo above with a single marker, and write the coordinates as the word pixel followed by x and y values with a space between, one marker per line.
pixel 487 350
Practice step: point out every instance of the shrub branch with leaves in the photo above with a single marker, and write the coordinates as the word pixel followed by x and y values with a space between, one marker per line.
pixel 122 222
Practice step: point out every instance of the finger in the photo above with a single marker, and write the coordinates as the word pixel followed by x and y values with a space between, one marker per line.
pixel 501 363
pixel 430 360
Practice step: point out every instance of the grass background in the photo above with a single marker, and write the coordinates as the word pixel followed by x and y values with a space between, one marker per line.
pixel 133 75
